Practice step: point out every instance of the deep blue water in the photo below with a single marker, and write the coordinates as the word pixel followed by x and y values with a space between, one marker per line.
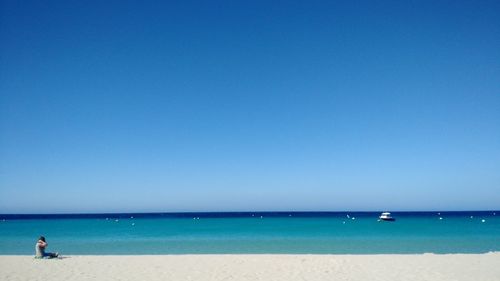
pixel 275 232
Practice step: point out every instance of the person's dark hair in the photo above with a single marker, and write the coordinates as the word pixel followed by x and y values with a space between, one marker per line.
pixel 42 238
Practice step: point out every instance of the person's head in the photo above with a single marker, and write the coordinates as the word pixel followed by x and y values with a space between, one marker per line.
pixel 42 238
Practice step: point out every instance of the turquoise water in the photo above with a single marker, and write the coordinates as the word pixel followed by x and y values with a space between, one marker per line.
pixel 297 233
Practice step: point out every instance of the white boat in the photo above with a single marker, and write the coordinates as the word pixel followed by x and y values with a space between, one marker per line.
pixel 386 216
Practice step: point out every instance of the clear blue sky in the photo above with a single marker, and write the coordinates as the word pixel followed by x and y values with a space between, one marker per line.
pixel 249 105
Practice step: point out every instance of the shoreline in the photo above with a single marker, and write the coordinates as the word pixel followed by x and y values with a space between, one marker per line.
pixel 387 267
pixel 63 256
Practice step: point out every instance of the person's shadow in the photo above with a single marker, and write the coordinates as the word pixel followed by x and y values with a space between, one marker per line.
pixel 62 257
pixel 55 258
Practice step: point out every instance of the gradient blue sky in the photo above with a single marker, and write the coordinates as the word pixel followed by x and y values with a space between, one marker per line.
pixel 249 105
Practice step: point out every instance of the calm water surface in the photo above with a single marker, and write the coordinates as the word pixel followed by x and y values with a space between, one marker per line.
pixel 297 233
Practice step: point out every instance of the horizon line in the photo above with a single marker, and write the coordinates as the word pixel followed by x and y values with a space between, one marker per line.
pixel 249 212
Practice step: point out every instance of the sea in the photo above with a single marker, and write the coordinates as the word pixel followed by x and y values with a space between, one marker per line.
pixel 252 233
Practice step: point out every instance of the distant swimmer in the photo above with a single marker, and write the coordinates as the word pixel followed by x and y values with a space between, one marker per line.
pixel 40 247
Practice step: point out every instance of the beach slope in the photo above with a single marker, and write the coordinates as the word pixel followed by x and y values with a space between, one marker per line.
pixel 482 267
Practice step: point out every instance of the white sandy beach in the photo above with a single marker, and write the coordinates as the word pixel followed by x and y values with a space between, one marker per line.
pixel 477 267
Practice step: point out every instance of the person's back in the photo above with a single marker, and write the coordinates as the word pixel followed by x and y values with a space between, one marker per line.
pixel 39 250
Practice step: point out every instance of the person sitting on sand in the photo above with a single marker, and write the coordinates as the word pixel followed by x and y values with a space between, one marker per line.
pixel 40 249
